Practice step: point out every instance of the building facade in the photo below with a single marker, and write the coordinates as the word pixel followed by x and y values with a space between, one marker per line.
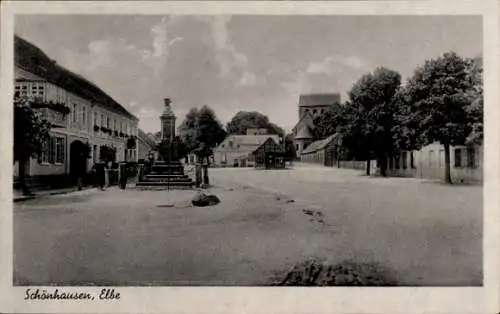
pixel 317 104
pixel 323 152
pixel 269 155
pixel 236 150
pixel 466 163
pixel 94 119
pixel 146 146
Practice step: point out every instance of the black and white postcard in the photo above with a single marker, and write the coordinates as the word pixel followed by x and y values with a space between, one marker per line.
pixel 256 157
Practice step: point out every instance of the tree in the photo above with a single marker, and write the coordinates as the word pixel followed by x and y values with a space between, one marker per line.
pixel 475 108
pixel 188 129
pixel 444 100
pixel 172 150
pixel 31 132
pixel 201 131
pixel 244 120
pixel 290 147
pixel 327 123
pixel 372 112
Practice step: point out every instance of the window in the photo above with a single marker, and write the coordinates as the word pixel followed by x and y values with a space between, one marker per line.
pixel 471 157
pixel 296 147
pixel 84 115
pixel 102 120
pixel 53 151
pixel 75 113
pixel 314 111
pixel 107 122
pixel 114 124
pixel 60 147
pixel 322 111
pixel 458 157
pixel 412 161
pixel 230 144
pixel 431 156
pixel 95 118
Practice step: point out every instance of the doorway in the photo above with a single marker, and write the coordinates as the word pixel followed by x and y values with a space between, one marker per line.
pixel 78 152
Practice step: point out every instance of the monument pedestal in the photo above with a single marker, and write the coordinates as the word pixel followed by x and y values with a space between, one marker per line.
pixel 166 175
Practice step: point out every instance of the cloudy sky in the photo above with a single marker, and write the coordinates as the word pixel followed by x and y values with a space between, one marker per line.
pixel 234 63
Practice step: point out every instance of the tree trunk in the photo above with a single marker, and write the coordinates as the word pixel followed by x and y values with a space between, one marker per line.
pixel 22 177
pixel 447 172
pixel 383 165
pixel 368 166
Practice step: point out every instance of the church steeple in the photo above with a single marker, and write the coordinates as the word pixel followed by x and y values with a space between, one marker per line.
pixel 167 122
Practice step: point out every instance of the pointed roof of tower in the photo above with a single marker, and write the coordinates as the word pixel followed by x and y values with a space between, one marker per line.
pixel 304 133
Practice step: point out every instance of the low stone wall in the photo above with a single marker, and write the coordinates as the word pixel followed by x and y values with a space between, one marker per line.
pixel 352 164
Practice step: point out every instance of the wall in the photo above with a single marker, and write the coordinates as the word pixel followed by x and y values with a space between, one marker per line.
pixel 230 156
pixel 314 110
pixel 352 164
pixel 78 125
pixel 143 149
pixel 429 163
pixel 301 145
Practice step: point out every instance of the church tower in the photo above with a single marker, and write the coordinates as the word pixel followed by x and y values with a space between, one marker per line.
pixel 167 122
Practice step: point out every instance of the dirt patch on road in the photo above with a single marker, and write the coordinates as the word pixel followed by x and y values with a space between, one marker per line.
pixel 313 272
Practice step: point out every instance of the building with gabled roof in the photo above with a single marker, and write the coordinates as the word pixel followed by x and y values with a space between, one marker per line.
pixel 85 120
pixel 269 154
pixel 324 152
pixel 235 150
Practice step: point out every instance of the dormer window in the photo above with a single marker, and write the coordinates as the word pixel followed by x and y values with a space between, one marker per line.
pixel 231 144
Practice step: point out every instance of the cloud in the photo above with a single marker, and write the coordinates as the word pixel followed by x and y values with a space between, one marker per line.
pixel 232 63
pixel 248 79
pixel 334 65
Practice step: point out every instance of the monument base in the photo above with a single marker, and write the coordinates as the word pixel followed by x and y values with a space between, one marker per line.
pixel 169 175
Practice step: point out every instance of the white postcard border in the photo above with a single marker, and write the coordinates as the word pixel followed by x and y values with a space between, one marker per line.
pixel 261 299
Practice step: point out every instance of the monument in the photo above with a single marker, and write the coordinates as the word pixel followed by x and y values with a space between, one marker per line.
pixel 167 172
